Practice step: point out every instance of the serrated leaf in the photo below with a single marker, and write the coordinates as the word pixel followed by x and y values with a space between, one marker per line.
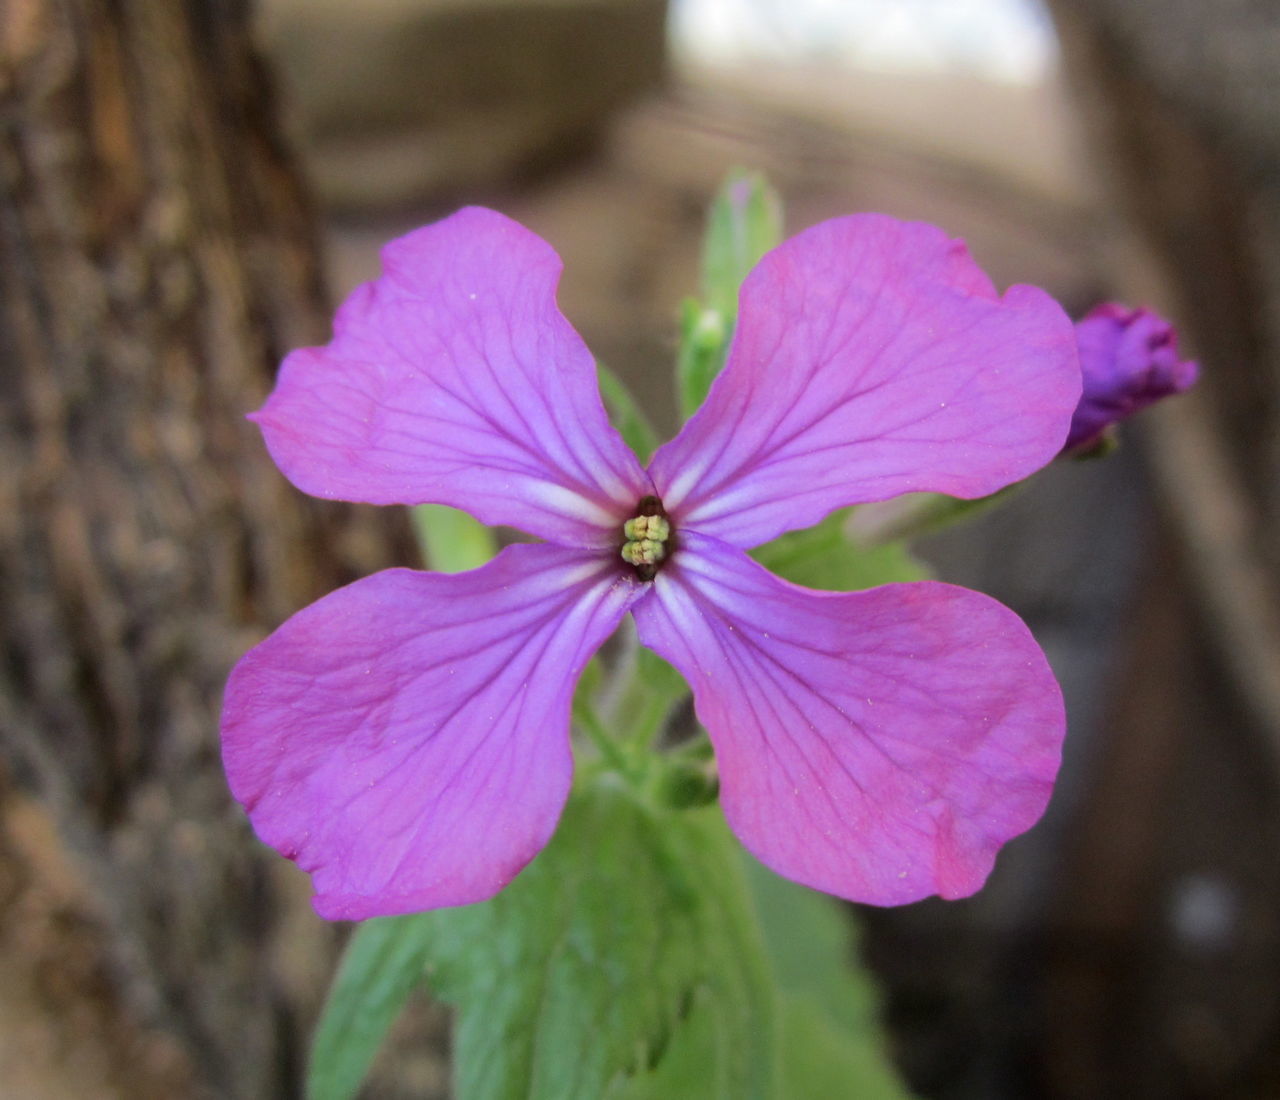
pixel 823 557
pixel 695 1064
pixel 383 962
pixel 582 972
pixel 451 540
pixel 625 414
pixel 831 1041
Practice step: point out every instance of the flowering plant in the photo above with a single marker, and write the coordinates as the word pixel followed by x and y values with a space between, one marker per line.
pixel 407 738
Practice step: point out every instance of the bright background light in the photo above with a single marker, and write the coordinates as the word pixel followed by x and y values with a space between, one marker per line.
pixel 1007 40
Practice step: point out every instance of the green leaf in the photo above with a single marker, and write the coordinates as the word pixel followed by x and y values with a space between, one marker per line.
pixel 704 340
pixel 695 1065
pixel 581 973
pixel 811 944
pixel 820 1059
pixel 451 540
pixel 624 956
pixel 625 414
pixel 823 557
pixel 744 222
pixel 831 1043
pixel 383 962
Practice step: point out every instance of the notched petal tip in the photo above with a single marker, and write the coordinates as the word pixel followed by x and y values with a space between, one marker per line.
pixel 881 745
pixel 405 739
pixel 455 379
pixel 872 357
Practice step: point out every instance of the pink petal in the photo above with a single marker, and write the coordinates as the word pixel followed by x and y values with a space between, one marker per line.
pixel 872 357
pixel 405 739
pixel 880 745
pixel 455 379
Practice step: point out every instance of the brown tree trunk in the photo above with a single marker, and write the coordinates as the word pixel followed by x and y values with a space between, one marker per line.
pixel 157 257
pixel 1174 886
pixel 1181 101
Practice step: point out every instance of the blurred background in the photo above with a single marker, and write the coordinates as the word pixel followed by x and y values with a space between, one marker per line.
pixel 189 186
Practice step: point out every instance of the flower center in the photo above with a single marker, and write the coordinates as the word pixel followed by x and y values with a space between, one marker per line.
pixel 647 538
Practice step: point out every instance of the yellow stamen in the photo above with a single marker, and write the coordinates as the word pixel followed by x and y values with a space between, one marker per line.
pixel 646 543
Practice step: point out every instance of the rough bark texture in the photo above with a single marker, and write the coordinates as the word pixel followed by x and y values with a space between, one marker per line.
pixel 156 259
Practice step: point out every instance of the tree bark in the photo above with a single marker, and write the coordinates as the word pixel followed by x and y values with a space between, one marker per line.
pixel 157 258
pixel 1180 100
pixel 1173 879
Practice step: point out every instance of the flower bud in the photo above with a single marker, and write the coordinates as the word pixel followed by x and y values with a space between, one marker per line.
pixel 1129 359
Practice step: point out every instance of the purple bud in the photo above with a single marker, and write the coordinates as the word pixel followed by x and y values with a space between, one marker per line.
pixel 1129 359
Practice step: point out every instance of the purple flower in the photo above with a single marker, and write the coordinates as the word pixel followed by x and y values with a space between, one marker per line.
pixel 1129 359
pixel 405 739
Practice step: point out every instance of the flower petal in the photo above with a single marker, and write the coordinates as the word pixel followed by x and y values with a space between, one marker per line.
pixel 880 745
pixel 405 739
pixel 455 379
pixel 872 357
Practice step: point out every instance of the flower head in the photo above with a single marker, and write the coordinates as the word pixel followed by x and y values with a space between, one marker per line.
pixel 1129 360
pixel 405 739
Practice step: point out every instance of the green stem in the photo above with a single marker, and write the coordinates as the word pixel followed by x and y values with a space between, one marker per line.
pixel 932 513
pixel 587 720
pixel 651 715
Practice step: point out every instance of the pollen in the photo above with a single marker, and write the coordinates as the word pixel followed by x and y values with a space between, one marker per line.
pixel 646 538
